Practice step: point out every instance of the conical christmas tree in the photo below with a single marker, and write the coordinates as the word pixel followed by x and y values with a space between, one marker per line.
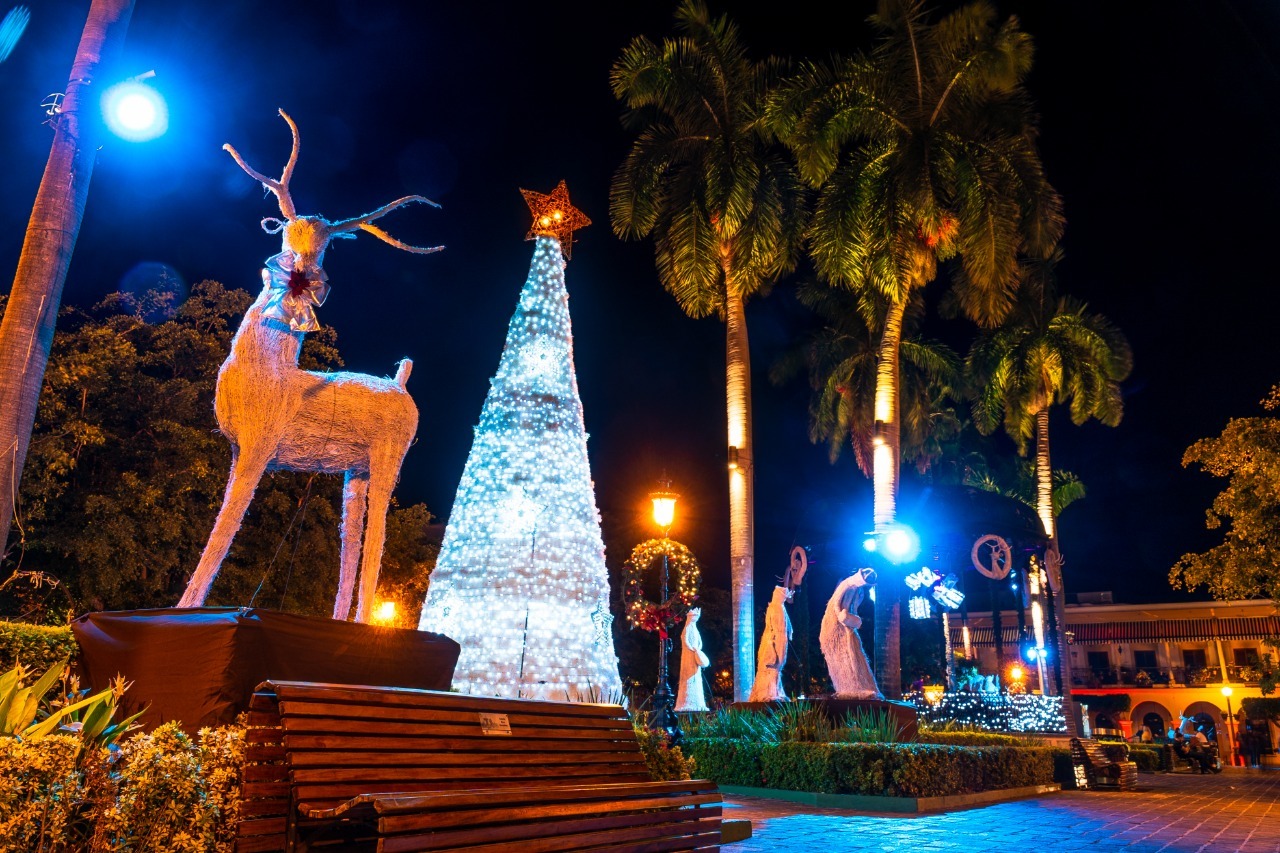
pixel 520 581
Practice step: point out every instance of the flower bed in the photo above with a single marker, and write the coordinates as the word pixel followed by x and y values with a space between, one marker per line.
pixel 875 769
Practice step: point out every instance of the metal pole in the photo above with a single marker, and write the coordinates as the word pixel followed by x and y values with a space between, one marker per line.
pixel 1231 731
pixel 664 717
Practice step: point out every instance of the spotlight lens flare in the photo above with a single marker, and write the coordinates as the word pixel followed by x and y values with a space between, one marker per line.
pixel 12 28
pixel 135 112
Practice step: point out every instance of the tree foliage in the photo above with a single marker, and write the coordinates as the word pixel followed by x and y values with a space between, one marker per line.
pixel 1051 349
pixel 1247 563
pixel 720 198
pixel 840 359
pixel 126 470
pixel 923 149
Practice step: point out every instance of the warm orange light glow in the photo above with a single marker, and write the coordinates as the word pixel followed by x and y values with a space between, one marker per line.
pixel 385 613
pixel 933 693
pixel 1015 672
pixel 664 507
pixel 554 216
pixel 1227 691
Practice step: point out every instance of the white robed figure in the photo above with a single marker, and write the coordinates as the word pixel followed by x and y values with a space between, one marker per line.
pixel 690 695
pixel 773 649
pixel 846 660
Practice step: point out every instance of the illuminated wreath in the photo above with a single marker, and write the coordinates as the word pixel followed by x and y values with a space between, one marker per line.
pixel 686 575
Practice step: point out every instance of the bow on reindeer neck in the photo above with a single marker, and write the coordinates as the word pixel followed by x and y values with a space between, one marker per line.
pixel 296 278
pixel 295 296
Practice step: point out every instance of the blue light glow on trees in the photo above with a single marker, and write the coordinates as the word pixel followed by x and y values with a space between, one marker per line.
pixel 521 582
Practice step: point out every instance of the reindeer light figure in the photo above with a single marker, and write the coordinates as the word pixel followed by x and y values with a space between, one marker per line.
pixel 279 417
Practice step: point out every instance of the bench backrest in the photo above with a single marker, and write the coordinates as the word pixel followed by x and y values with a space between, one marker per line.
pixel 318 745
pixel 1091 751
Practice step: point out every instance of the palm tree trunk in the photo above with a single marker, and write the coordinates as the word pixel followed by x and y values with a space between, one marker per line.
pixel 887 439
pixel 1044 476
pixel 741 483
pixel 1053 560
pixel 884 473
pixel 26 333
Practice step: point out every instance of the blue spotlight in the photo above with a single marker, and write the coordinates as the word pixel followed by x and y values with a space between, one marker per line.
pixel 900 543
pixel 870 544
pixel 135 111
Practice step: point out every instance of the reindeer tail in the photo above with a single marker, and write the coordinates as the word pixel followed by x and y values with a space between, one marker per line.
pixel 402 372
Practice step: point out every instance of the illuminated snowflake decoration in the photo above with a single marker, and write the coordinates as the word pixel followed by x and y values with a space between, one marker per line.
pixel 542 359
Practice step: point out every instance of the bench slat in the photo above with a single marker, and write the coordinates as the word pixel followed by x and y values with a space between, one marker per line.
pixel 528 833
pixel 567 835
pixel 399 803
pixel 445 819
pixel 535 726
pixel 398 696
pixel 333 795
pixel 350 742
pixel 358 758
pixel 462 723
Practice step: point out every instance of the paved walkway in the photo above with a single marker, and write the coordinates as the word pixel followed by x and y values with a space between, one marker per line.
pixel 1177 813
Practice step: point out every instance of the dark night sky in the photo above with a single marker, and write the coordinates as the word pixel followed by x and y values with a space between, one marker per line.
pixel 1158 127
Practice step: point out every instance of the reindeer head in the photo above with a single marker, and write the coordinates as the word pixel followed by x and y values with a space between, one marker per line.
pixel 305 238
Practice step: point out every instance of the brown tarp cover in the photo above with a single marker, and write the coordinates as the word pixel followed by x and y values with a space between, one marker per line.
pixel 199 666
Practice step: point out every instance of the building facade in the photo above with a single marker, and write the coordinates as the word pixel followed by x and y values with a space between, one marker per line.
pixel 1173 660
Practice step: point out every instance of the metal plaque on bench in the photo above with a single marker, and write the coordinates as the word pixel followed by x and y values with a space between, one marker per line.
pixel 495 724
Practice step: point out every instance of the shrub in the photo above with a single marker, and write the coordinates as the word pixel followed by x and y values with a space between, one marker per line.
pixel 872 726
pixel 1148 759
pixel 736 724
pixel 665 762
pixel 42 795
pixel 36 647
pixel 160 792
pixel 976 738
pixel 878 769
pixel 171 794
pixel 726 760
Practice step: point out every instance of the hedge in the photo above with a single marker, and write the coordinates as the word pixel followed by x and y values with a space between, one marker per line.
pixel 1148 759
pixel 36 647
pixel 977 739
pixel 875 769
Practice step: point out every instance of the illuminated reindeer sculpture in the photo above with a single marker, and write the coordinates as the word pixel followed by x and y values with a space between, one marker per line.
pixel 279 417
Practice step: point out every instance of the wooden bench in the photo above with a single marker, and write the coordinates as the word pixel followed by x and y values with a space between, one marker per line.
pixel 1100 768
pixel 343 767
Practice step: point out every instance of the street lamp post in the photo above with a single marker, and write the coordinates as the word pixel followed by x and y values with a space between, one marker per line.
pixel 1231 724
pixel 664 717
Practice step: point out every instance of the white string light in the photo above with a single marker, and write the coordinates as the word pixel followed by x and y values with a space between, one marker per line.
pixel 521 582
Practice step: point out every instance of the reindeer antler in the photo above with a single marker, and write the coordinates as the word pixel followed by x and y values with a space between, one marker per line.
pixel 280 187
pixel 362 223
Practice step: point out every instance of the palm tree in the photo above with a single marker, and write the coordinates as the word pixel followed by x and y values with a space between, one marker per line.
pixel 1050 350
pixel 722 202
pixel 840 359
pixel 923 150
pixel 26 332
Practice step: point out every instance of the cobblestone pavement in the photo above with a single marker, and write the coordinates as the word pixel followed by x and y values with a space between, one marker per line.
pixel 1238 810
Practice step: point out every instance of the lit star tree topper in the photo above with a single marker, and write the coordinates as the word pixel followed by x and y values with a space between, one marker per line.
pixel 520 582
pixel 554 216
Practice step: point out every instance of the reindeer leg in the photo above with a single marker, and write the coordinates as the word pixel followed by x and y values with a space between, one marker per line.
pixel 382 480
pixel 354 501
pixel 246 471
